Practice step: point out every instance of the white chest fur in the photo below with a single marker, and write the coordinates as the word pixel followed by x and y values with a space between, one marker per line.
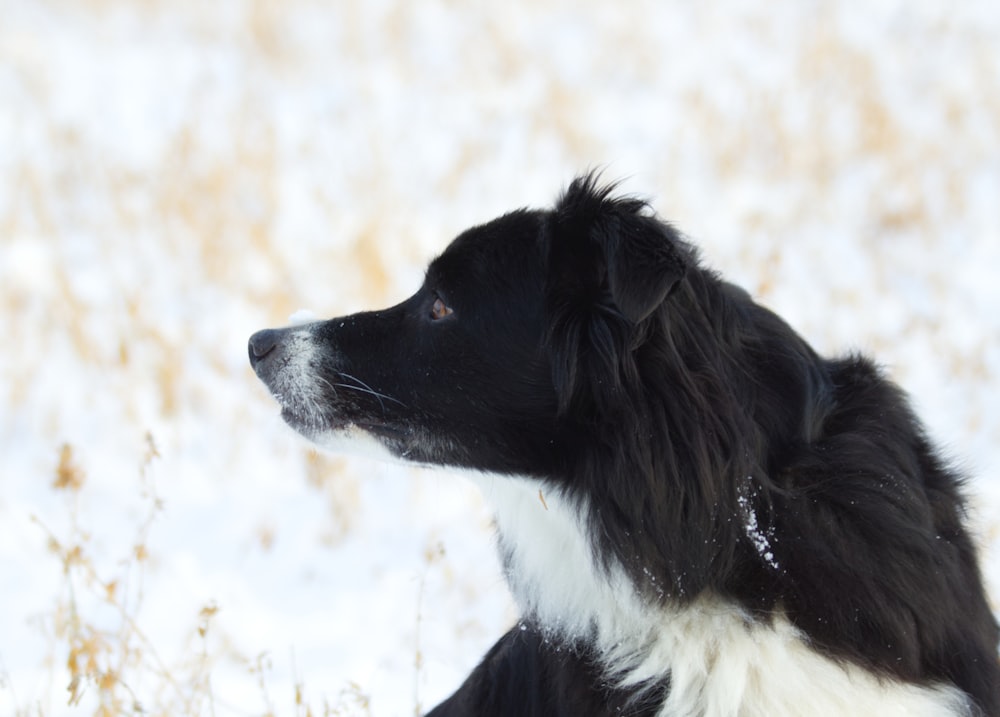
pixel 721 663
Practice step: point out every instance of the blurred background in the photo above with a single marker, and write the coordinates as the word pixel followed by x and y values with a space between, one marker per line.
pixel 177 175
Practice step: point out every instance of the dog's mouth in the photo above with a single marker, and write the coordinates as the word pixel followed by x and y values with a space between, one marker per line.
pixel 305 422
pixel 374 439
pixel 312 421
pixel 314 424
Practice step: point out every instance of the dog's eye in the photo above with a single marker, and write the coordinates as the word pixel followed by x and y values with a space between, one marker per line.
pixel 439 309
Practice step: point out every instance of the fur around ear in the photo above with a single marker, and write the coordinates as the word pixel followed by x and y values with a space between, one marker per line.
pixel 611 265
pixel 642 257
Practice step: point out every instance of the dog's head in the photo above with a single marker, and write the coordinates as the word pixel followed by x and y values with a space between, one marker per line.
pixel 522 332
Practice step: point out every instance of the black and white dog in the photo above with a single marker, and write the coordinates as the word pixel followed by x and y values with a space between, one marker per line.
pixel 697 514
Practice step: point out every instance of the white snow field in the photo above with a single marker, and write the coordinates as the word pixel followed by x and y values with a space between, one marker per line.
pixel 175 175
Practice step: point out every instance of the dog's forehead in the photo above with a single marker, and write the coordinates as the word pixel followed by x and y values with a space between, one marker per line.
pixel 509 245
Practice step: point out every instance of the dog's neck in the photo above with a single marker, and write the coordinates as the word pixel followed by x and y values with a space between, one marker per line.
pixel 546 557
pixel 564 589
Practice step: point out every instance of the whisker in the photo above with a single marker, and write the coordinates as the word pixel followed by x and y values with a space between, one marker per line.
pixel 364 387
pixel 381 403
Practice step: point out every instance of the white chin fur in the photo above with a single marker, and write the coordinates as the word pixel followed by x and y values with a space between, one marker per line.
pixel 356 442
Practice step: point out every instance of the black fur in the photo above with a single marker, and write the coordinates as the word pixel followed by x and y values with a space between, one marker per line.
pixel 527 675
pixel 589 348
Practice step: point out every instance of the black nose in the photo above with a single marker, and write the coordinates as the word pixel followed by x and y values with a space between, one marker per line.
pixel 262 343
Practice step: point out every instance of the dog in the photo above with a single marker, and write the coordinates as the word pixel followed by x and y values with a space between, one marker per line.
pixel 695 512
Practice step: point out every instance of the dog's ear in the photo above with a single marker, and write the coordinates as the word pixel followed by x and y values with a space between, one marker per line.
pixel 611 265
pixel 643 262
pixel 638 258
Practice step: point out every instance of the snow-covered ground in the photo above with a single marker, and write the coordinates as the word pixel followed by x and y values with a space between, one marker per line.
pixel 176 175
